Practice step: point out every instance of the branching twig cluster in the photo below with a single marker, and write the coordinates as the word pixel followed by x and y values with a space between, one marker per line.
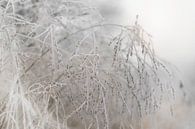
pixel 63 69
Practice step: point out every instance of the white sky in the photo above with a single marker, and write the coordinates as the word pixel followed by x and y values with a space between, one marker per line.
pixel 172 24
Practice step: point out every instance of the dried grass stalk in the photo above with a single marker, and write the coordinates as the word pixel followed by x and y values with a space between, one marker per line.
pixel 61 68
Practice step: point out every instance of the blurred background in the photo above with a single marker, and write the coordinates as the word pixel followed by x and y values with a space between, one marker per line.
pixel 171 24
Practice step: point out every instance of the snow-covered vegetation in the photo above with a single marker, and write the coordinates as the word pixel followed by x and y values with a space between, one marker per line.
pixel 64 67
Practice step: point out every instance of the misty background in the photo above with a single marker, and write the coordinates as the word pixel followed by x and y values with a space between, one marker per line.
pixel 171 24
